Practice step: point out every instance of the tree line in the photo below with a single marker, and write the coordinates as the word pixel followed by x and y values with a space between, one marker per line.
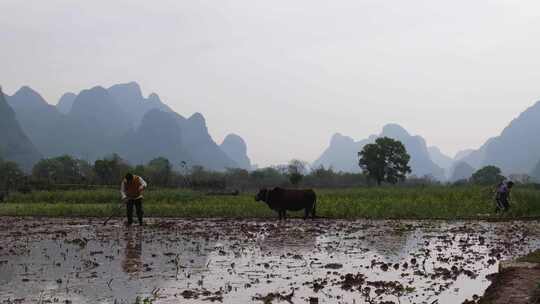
pixel 66 172
pixel 384 162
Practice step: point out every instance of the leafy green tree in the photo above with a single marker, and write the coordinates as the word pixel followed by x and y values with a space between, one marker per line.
pixel 159 171
pixel 237 178
pixel 296 169
pixel 386 160
pixel 10 175
pixel 111 170
pixel 68 170
pixel 487 175
pixel 104 171
pixel 200 178
pixel 323 176
pixel 46 170
pixel 267 177
pixel 140 170
pixel 86 171
pixel 62 170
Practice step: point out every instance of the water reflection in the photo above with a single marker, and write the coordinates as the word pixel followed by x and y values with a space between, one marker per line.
pixel 385 241
pixel 132 260
pixel 279 239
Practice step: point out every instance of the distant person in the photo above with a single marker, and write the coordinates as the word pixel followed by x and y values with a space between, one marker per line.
pixel 131 189
pixel 502 196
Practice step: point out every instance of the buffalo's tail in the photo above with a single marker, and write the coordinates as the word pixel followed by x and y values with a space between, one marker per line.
pixel 313 213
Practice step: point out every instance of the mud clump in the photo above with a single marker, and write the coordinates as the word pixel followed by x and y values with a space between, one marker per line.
pixel 333 266
pixel 198 293
pixel 351 281
pixel 79 242
pixel 275 296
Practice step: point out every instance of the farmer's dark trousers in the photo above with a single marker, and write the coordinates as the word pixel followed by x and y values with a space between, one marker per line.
pixel 138 206
pixel 503 204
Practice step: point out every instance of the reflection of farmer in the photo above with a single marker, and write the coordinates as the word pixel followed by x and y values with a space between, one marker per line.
pixel 132 262
pixel 502 196
pixel 131 190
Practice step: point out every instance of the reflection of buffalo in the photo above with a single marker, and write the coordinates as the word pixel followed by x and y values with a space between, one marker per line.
pixel 281 200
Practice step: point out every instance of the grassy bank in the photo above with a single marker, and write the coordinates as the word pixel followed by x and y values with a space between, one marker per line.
pixel 415 203
pixel 533 257
pixel 515 284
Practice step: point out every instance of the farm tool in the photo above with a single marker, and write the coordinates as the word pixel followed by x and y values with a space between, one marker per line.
pixel 115 211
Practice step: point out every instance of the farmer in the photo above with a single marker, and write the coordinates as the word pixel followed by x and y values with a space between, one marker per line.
pixel 131 190
pixel 502 196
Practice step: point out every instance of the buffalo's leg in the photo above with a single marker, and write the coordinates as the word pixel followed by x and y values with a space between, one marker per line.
pixel 306 213
pixel 281 216
pixel 313 212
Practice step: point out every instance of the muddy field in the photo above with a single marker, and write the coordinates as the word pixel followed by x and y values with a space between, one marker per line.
pixel 242 261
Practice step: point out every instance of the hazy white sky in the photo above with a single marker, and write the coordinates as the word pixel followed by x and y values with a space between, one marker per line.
pixel 287 74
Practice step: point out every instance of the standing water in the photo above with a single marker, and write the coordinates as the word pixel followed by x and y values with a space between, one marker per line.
pixel 254 261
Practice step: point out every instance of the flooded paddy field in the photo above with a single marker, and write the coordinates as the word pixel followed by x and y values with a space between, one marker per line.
pixel 254 261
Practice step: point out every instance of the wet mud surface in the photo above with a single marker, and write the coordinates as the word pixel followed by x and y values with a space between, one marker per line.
pixel 254 261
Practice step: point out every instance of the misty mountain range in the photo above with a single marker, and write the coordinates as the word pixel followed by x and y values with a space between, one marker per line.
pixel 97 122
pixel 14 144
pixel 342 153
pixel 516 151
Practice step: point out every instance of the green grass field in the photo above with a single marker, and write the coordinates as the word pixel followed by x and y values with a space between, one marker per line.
pixel 533 257
pixel 464 202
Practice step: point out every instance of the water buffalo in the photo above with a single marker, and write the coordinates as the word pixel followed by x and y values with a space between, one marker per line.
pixel 281 200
